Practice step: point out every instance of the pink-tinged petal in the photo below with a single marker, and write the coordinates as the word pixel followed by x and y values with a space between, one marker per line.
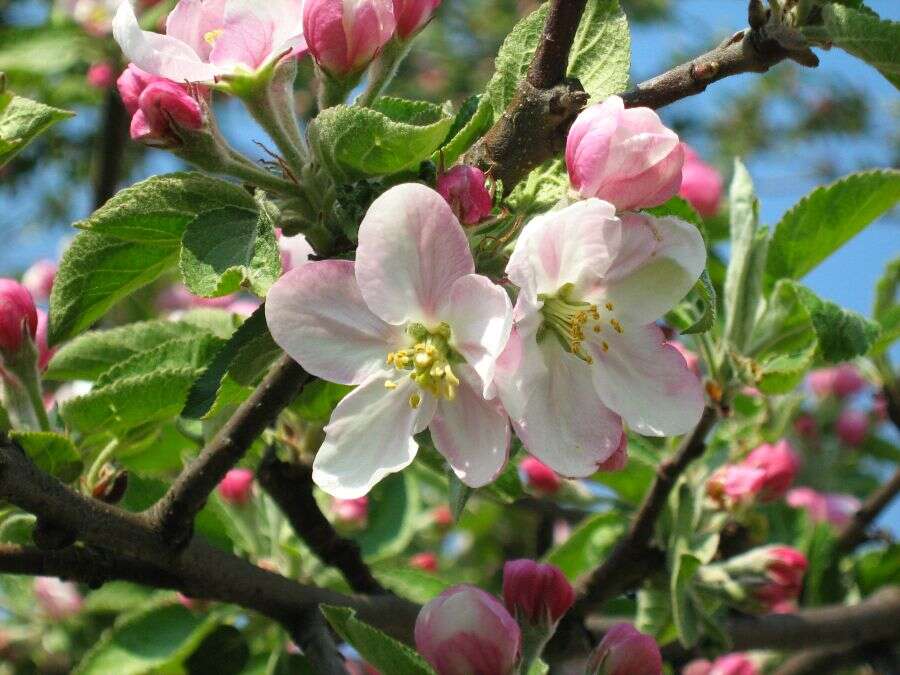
pixel 157 54
pixel 564 422
pixel 514 372
pixel 317 315
pixel 657 262
pixel 411 251
pixel 246 38
pixel 369 25
pixel 480 318
pixel 571 245
pixel 646 381
pixel 471 433
pixel 192 20
pixel 370 435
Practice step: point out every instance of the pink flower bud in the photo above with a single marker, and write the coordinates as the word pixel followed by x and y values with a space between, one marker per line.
pixel 735 484
pixel 690 358
pixel 236 487
pixel 58 599
pixel 442 516
pixel 847 380
pixel 345 35
pixel 38 279
pixel 163 104
pixel 351 511
pixel 464 190
pixel 537 593
pixel 730 664
pixel 40 339
pixel 833 508
pixel 18 316
pixel 625 651
pixel 539 477
pixel 627 157
pixel 425 561
pixel 619 459
pixel 412 15
pixel 880 406
pixel 784 572
pixel 465 631
pixel 131 84
pixel 805 425
pixel 701 184
pixel 101 75
pixel 852 427
pixel 780 464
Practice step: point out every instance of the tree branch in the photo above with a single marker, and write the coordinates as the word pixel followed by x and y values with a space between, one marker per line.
pixel 854 532
pixel 634 557
pixel 291 486
pixel 111 148
pixel 173 515
pixel 821 661
pixel 551 59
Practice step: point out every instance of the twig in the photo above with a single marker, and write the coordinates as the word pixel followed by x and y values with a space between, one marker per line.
pixel 634 556
pixel 173 515
pixel 551 59
pixel 111 147
pixel 318 646
pixel 854 532
pixel 291 486
pixel 821 661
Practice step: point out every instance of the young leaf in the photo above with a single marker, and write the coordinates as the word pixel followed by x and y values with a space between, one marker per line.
pixel 392 136
pixel 393 507
pixel 51 452
pixel 182 352
pixel 472 121
pixel 601 53
pixel 21 121
pixel 458 494
pixel 684 613
pixel 588 544
pixel 382 651
pixel 826 219
pixel 886 309
pixel 411 584
pixel 842 334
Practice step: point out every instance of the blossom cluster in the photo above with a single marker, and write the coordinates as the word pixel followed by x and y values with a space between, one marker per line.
pixel 431 344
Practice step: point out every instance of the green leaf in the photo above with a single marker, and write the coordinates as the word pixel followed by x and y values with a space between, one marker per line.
pixel 458 494
pixel 183 352
pixel 318 400
pixel 601 53
pixel 90 355
pixel 228 249
pixel 21 121
pixel 685 615
pixel 680 208
pixel 822 583
pixel 588 545
pixel 96 272
pixel 654 610
pixel 392 136
pixel 743 281
pixel 878 568
pixel 826 219
pixel 706 293
pixel 23 51
pixel 411 584
pixel 863 34
pixel 116 597
pixel 471 123
pixel 52 453
pixel 153 641
pixel 5 424
pixel 223 652
pixel 842 334
pixel 393 507
pixel 541 189
pixel 886 309
pixel 159 209
pixel 382 651
pixel 130 402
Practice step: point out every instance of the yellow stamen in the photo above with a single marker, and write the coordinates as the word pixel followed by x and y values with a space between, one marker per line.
pixel 415 400
pixel 213 35
pixel 390 384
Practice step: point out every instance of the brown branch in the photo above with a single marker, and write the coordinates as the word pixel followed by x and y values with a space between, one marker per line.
pixel 173 515
pixel 551 59
pixel 854 532
pixel 291 486
pixel 634 557
pixel 821 661
pixel 110 148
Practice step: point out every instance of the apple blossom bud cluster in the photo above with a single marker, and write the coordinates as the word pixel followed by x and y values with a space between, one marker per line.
pixel 466 631
pixel 836 509
pixel 237 487
pixel 625 651
pixel 765 474
pixel 57 599
pixel 840 381
pixel 159 107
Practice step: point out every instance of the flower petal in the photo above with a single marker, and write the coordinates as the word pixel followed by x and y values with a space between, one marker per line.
pixel 646 381
pixel 571 245
pixel 563 422
pixel 480 317
pixel 472 433
pixel 411 251
pixel 370 435
pixel 192 20
pixel 657 262
pixel 317 315
pixel 161 55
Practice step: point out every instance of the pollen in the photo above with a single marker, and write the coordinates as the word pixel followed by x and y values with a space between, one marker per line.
pixel 428 363
pixel 415 400
pixel 213 35
pixel 610 307
pixel 616 325
pixel 390 384
pixel 605 346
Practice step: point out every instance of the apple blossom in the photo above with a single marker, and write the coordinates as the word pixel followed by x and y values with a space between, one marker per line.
pixel 95 16
pixel 420 333
pixel 779 463
pixel 539 477
pixel 768 578
pixel 18 316
pixel 690 358
pixel 351 511
pixel 295 251
pixel 209 39
pixel 236 487
pixel 625 651
pixel 57 598
pixel 101 75
pixel 735 484
pixel 701 184
pixel 536 593
pixel 413 15
pixel 852 426
pixel 625 156
pixel 465 631
pixel 345 35
pixel 585 353
pixel 156 104
pixel 427 561
pixel 463 187
pixel 833 508
pixel 39 278
pixel 735 663
pixel 442 516
pixel 806 426
pixel 840 381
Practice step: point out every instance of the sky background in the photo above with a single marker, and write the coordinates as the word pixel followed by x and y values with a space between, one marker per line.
pixel 782 176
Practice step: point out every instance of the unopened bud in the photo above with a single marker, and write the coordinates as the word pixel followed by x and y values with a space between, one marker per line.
pixel 625 651
pixel 463 187
pixel 237 487
pixel 345 35
pixel 18 316
pixel 536 593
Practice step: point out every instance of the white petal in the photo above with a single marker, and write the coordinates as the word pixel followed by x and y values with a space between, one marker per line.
pixel 370 436
pixel 472 433
pixel 646 381
pixel 480 317
pixel 317 315
pixel 158 54
pixel 411 250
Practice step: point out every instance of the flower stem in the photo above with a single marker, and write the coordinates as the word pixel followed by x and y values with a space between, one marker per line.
pixel 102 458
pixel 383 70
pixel 289 141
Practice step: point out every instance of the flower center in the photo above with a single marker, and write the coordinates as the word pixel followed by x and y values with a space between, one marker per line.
pixel 569 319
pixel 427 362
pixel 212 36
